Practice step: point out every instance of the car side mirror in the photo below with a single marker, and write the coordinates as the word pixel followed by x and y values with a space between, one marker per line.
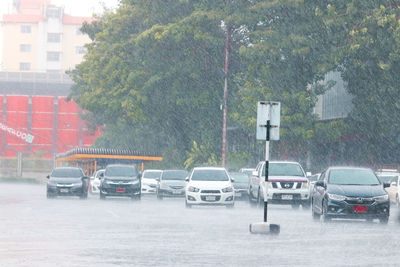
pixel 254 173
pixel 386 184
pixel 48 176
pixel 308 174
pixel 232 180
pixel 158 179
pixel 187 179
pixel 320 183
pixel 101 175
pixel 393 184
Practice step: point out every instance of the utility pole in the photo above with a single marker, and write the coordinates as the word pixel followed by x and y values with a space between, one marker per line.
pixel 225 96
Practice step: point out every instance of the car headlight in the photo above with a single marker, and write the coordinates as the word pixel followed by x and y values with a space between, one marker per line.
pixel 227 189
pixel 77 184
pixel 193 189
pixel 133 182
pixel 164 186
pixel 304 185
pixel 336 197
pixel 381 198
pixel 51 183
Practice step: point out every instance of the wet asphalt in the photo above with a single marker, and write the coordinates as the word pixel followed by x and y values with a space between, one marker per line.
pixel 68 231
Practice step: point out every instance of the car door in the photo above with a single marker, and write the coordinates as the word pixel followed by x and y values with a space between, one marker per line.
pixel 319 192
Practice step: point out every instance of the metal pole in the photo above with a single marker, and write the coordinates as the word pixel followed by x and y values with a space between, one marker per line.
pixel 267 161
pixel 225 96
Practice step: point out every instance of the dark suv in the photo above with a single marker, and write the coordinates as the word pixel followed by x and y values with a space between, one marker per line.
pixel 67 181
pixel 120 180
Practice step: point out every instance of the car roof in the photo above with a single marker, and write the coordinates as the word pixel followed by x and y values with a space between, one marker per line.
pixel 120 165
pixel 282 161
pixel 152 171
pixel 67 168
pixel 209 168
pixel 348 168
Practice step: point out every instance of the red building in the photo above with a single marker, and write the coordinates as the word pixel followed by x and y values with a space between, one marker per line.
pixel 40 108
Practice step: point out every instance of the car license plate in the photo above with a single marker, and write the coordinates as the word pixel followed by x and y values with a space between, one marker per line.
pixel 210 198
pixel 360 208
pixel 238 194
pixel 120 190
pixel 287 197
pixel 64 190
pixel 176 192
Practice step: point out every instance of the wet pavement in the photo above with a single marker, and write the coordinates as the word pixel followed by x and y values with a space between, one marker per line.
pixel 59 232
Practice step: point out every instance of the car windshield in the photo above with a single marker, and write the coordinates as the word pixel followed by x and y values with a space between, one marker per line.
pixel 209 175
pixel 284 169
pixel 67 173
pixel 124 171
pixel 174 175
pixel 152 174
pixel 352 177
pixel 239 177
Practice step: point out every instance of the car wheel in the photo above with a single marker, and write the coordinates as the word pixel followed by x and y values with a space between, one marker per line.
pixel 102 196
pixel 397 201
pixel 136 197
pixel 384 220
pixel 326 217
pixel 252 202
pixel 188 205
pixel 230 206
pixel 295 206
pixel 315 215
pixel 159 196
pixel 49 196
pixel 306 205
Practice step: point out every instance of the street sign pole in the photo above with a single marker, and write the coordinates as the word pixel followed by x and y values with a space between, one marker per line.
pixel 267 111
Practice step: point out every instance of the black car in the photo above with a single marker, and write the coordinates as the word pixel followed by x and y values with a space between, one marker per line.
pixel 171 183
pixel 240 184
pixel 67 181
pixel 347 192
pixel 120 180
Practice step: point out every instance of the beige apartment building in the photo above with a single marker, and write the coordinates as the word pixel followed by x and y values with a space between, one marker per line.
pixel 40 37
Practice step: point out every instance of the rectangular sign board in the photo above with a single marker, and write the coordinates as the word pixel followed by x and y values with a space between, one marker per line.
pixel 262 116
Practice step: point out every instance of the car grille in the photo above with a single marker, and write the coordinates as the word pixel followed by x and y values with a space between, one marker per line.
pixel 210 191
pixel 64 185
pixel 152 185
pixel 176 186
pixel 359 200
pixel 286 185
pixel 204 198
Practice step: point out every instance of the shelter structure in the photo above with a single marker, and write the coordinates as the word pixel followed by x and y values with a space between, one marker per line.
pixel 91 159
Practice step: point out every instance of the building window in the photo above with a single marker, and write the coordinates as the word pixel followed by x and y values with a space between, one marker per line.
pixel 54 13
pixel 25 48
pixel 26 29
pixel 53 37
pixel 53 56
pixel 80 50
pixel 24 66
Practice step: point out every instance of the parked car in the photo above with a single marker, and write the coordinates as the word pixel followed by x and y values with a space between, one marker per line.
pixel 209 186
pixel 67 181
pixel 240 184
pixel 149 181
pixel 287 184
pixel 120 180
pixel 95 182
pixel 248 171
pixel 393 178
pixel 348 192
pixel 172 183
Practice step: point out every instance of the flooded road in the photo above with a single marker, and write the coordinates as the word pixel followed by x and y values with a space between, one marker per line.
pixel 35 231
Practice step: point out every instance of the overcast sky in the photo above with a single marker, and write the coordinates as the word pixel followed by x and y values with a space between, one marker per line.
pixel 72 7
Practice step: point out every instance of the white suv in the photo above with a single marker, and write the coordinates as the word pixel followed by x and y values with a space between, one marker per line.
pixel 209 186
pixel 287 184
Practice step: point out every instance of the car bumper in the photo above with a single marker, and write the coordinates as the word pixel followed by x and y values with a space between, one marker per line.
pixel 171 192
pixel 287 196
pixel 241 193
pixel 65 191
pixel 210 199
pixel 342 209
pixel 127 191
pixel 148 189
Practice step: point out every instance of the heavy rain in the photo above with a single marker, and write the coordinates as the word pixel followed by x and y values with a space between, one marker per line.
pixel 199 133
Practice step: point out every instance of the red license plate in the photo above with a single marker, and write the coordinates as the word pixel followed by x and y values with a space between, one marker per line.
pixel 360 208
pixel 120 190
